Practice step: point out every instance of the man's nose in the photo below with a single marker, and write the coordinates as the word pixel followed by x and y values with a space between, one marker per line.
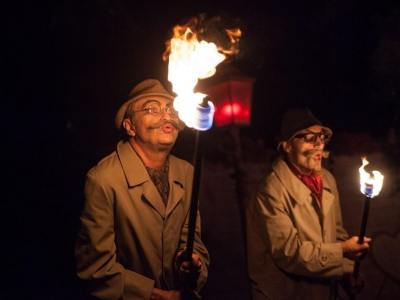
pixel 319 142
pixel 166 115
pixel 169 114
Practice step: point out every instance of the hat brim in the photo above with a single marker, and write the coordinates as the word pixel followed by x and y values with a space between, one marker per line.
pixel 122 110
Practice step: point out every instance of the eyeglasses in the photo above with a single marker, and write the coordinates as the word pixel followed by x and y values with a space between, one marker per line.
pixel 156 110
pixel 312 137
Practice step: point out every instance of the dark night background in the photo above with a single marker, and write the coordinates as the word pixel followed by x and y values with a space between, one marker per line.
pixel 69 64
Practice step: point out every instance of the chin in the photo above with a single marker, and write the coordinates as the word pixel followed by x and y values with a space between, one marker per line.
pixel 313 167
pixel 166 145
pixel 168 141
pixel 317 167
pixel 167 138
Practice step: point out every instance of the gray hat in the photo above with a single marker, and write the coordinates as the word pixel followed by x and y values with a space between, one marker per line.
pixel 296 120
pixel 146 88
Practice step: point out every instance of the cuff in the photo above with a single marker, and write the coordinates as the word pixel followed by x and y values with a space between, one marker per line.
pixel 137 285
pixel 331 254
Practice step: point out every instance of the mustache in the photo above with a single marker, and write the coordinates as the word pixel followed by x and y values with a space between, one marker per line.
pixel 164 122
pixel 309 153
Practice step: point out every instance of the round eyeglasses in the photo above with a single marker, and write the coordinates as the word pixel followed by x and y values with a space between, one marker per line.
pixel 156 110
pixel 312 137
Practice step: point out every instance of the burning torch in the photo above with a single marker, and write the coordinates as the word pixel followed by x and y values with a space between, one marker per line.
pixel 370 187
pixel 191 59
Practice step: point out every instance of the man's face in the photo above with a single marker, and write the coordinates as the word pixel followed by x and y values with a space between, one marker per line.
pixel 155 122
pixel 305 149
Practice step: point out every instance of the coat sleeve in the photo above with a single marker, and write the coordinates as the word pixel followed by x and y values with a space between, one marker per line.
pixel 289 252
pixel 341 233
pixel 95 249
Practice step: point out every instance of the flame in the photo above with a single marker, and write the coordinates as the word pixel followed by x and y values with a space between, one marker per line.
pixel 189 61
pixel 370 185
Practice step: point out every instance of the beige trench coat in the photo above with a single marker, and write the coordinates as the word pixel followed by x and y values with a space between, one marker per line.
pixel 293 244
pixel 128 239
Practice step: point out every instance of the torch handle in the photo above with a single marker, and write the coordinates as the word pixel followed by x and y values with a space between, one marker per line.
pixel 363 228
pixel 364 220
pixel 194 199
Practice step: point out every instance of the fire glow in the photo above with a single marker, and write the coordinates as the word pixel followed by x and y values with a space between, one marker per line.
pixel 188 61
pixel 370 185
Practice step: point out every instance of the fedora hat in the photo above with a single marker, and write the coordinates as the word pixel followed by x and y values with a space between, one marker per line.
pixel 146 88
pixel 295 121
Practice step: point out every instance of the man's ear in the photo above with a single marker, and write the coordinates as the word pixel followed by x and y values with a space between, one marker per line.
pixel 287 147
pixel 129 127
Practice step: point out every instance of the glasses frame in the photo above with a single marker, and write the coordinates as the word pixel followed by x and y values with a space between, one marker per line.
pixel 157 110
pixel 323 136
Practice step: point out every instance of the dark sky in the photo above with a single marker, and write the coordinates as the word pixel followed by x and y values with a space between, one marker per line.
pixel 69 64
pixel 80 59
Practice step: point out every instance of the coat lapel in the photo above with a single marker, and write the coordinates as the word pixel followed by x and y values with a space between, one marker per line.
pixel 136 175
pixel 296 188
pixel 152 196
pixel 327 199
pixel 175 195
pixel 302 195
pixel 176 185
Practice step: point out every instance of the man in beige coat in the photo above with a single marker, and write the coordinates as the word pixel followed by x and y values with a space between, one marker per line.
pixel 297 246
pixel 134 221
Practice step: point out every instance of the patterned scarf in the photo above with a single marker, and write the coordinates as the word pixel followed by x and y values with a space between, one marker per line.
pixel 313 181
pixel 159 177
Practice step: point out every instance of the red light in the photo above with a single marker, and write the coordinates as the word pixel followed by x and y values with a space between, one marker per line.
pixel 232 100
pixel 231 108
pixel 231 112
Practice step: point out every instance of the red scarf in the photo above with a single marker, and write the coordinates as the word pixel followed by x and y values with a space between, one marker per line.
pixel 312 181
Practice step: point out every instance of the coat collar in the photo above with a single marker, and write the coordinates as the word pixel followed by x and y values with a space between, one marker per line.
pixel 134 169
pixel 137 175
pixel 298 190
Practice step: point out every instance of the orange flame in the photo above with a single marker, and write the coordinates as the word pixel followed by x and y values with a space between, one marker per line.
pixel 190 59
pixel 370 185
